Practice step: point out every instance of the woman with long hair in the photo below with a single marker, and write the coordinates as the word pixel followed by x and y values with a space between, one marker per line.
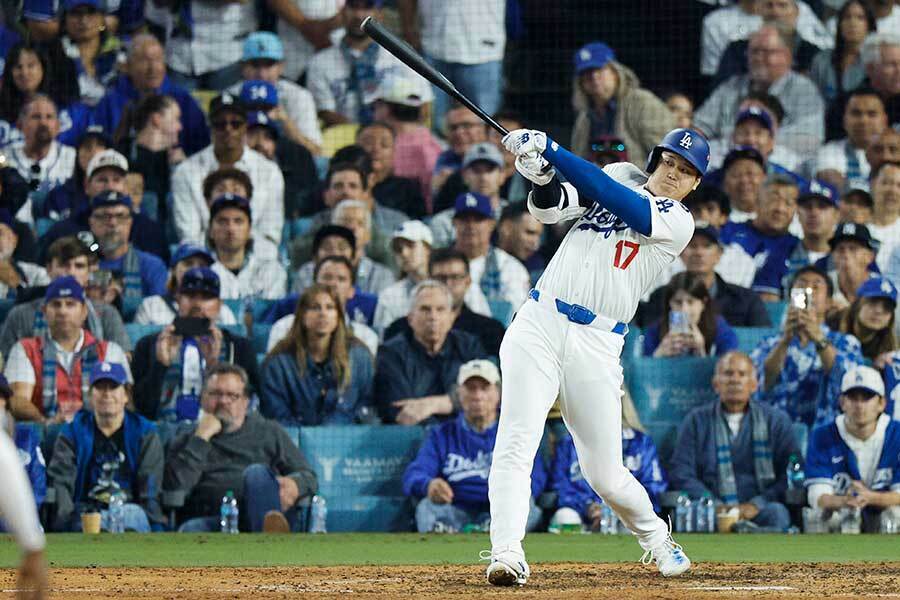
pixel 91 49
pixel 690 323
pixel 870 318
pixel 840 69
pixel 318 374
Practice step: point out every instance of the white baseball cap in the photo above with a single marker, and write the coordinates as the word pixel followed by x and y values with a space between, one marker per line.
pixel 107 158
pixel 862 377
pixel 479 368
pixel 414 231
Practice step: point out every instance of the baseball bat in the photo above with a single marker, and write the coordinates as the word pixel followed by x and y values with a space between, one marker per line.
pixel 408 56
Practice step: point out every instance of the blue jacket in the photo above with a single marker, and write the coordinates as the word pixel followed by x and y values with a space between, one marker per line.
pixel 314 399
pixel 69 469
pixel 28 442
pixel 694 469
pixel 726 340
pixel 405 370
pixel 462 456
pixel 193 137
pixel 639 455
pixel 359 308
pixel 771 253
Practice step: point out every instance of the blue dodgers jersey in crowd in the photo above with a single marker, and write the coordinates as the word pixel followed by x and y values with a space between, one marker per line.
pixel 462 456
pixel 771 254
pixel 830 460
pixel 28 443
pixel 638 454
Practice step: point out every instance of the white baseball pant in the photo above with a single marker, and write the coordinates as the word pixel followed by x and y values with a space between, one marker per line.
pixel 544 354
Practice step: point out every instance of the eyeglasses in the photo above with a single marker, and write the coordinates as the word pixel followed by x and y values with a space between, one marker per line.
pixel 111 217
pixel 220 125
pixel 222 395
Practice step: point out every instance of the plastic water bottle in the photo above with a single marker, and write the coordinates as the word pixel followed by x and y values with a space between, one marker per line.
pixel 607 520
pixel 116 512
pixel 684 514
pixel 795 474
pixel 319 515
pixel 852 520
pixel 228 513
pixel 706 514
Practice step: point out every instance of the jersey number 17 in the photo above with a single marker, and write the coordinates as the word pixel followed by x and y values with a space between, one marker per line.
pixel 629 249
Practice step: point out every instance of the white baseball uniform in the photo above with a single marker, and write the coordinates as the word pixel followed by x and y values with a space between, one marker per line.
pixel 604 266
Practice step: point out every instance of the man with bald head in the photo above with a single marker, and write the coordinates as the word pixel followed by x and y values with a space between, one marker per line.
pixel 769 59
pixel 736 449
pixel 145 74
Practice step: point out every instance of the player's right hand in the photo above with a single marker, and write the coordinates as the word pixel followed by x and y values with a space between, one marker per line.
pixel 525 141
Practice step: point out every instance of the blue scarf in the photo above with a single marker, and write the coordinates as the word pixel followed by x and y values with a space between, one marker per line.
pixel 362 77
pixel 762 453
pixel 490 282
pixel 88 357
pixel 180 398
pixel 132 275
pixel 94 325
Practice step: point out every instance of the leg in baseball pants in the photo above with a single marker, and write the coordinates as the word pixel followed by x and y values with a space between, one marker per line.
pixel 591 407
pixel 530 366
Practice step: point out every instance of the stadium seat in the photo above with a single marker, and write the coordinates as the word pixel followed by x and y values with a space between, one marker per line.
pixel 130 307
pixel 369 513
pixel 237 307
pixel 664 390
pixel 750 337
pixel 634 343
pixel 239 330
pixel 204 98
pixel 260 337
pixel 137 331
pixel 776 312
pixel 338 136
pixel 299 226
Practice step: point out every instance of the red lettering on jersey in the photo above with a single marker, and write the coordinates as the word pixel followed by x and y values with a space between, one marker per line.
pixel 633 248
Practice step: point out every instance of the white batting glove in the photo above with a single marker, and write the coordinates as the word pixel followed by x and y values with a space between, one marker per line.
pixel 535 168
pixel 525 141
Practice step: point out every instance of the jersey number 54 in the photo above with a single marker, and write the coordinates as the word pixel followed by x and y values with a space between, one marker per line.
pixel 625 253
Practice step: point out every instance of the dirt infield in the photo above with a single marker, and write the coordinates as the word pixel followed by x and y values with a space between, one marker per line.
pixel 549 581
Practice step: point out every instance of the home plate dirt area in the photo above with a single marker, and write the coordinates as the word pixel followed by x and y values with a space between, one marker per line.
pixel 549 580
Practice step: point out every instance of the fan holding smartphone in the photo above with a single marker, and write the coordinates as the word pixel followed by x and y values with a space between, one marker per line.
pixel 690 324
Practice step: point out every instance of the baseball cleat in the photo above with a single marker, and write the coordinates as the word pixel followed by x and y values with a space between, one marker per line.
pixel 669 557
pixel 507 568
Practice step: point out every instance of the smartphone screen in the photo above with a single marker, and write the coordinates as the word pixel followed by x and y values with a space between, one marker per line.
pixel 191 326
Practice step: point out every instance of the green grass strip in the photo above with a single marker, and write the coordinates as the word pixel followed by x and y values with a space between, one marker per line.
pixel 247 550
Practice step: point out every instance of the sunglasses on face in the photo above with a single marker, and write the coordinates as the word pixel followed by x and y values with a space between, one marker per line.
pixel 220 125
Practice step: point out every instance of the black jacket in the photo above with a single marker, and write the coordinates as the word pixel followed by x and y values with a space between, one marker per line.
pixel 149 373
pixel 489 331
pixel 738 305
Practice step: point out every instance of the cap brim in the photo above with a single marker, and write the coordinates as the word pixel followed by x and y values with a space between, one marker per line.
pixel 106 378
pixel 863 387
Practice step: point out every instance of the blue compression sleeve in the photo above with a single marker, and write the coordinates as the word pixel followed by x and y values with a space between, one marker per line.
pixel 591 181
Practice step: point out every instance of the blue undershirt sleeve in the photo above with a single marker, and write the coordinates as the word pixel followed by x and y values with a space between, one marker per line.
pixel 592 182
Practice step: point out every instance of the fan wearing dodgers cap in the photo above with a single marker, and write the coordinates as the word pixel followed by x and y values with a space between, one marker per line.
pixel 228 118
pixel 870 318
pixel 411 244
pixel 243 273
pixel 70 197
pixel 263 96
pixel 851 261
pixel 608 97
pixel 449 475
pixel 108 432
pixel 854 461
pixel 49 373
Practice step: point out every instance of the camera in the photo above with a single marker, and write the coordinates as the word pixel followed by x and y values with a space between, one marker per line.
pixel 801 298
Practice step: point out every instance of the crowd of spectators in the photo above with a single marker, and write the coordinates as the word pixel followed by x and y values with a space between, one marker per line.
pixel 230 220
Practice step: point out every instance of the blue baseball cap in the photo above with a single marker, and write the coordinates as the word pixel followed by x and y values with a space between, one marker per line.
pixel 200 279
pixel 878 287
pixel 110 198
pixel 187 250
pixel 73 4
pixel 263 45
pixel 473 203
pixel 229 201
pixel 816 188
pixel 258 118
pixel 64 287
pixel 758 114
pixel 257 92
pixel 107 371
pixel 595 55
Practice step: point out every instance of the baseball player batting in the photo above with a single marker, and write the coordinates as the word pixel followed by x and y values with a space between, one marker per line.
pixel 567 338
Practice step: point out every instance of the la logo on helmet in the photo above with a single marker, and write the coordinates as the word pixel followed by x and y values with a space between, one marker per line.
pixel 686 141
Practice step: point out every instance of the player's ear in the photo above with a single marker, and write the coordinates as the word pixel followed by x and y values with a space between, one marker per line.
pixel 697 182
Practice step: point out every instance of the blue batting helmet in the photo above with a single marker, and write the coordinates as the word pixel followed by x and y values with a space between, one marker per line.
pixel 689 144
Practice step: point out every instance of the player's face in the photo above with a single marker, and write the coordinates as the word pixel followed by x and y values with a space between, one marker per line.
pixel 412 257
pixel 875 313
pixel 701 255
pixel 600 84
pixel 674 177
pixel 777 205
pixel 886 189
pixel 742 182
pixel 864 119
pixel 687 304
pixel 851 256
pixel 479 399
pixel 320 316
pixel 734 381
pixel 754 134
pixel 862 407
pixel 108 399
pixel 817 217
pixel 430 317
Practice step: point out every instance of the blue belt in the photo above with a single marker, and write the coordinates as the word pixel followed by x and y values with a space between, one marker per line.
pixel 578 314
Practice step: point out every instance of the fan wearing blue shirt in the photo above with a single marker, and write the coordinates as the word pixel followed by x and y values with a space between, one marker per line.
pixel 450 472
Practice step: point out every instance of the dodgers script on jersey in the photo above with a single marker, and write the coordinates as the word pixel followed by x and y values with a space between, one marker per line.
pixel 616 264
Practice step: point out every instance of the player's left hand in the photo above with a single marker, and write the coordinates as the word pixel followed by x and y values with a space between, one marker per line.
pixel 525 141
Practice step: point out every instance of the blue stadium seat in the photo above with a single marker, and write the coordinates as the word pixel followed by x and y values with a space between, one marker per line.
pixel 260 308
pixel 130 307
pixel 776 312
pixel 360 469
pixel 750 337
pixel 237 307
pixel 664 390
pixel 137 331
pixel 502 311
pixel 634 343
pixel 261 336
pixel 236 329
pixel 299 226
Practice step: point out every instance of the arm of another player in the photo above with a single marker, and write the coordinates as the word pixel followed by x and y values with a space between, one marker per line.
pixel 589 179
